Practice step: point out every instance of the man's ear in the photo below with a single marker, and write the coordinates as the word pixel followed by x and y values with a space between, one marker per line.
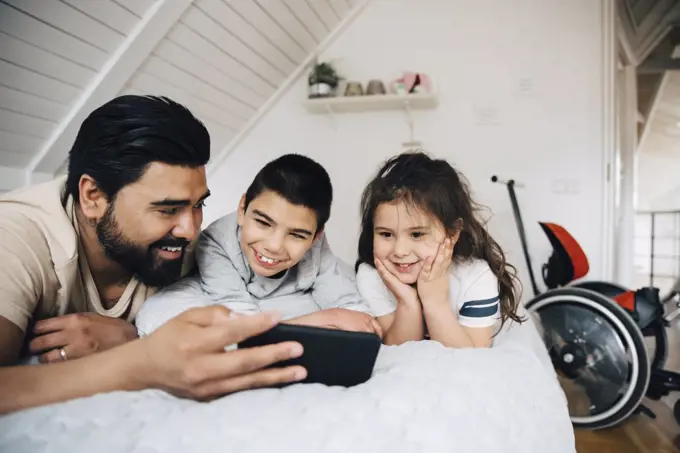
pixel 242 209
pixel 93 202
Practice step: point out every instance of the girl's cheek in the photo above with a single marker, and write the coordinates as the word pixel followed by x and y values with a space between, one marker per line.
pixel 426 252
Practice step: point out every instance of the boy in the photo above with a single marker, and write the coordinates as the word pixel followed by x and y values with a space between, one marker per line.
pixel 271 255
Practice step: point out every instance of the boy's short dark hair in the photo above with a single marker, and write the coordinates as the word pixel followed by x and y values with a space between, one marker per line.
pixel 300 180
pixel 119 140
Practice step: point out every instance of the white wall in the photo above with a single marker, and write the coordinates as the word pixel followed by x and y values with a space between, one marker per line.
pixel 11 178
pixel 521 96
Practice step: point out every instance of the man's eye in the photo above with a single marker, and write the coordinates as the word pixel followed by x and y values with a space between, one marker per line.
pixel 298 236
pixel 170 211
pixel 262 222
pixel 200 205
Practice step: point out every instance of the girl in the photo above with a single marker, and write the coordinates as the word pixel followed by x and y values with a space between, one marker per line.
pixel 427 265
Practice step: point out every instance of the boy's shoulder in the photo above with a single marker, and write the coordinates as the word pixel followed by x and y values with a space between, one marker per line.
pixel 223 225
pixel 317 259
pixel 223 233
pixel 219 240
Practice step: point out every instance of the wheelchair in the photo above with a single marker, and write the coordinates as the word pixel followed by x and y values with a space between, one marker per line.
pixel 608 343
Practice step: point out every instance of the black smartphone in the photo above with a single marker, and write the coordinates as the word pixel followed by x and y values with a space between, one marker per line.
pixel 331 356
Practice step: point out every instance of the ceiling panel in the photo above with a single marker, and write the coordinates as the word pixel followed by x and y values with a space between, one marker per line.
pixel 259 19
pixel 43 62
pixel 308 18
pixel 223 59
pixel 50 52
pixel 292 25
pixel 211 30
pixel 21 102
pixel 236 74
pixel 13 159
pixel 136 7
pixel 71 21
pixel 110 14
pixel 239 29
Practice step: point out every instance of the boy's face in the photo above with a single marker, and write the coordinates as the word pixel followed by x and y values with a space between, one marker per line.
pixel 275 234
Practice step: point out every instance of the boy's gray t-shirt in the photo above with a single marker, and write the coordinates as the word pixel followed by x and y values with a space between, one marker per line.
pixel 319 281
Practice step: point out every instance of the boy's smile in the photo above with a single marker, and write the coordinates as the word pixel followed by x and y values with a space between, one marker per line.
pixel 275 233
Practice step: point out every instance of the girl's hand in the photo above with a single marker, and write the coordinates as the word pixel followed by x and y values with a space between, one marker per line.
pixel 403 292
pixel 433 281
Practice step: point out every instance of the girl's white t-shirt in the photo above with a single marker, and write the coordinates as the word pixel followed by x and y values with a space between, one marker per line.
pixel 473 292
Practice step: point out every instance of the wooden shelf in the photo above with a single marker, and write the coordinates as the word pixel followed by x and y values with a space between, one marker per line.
pixel 366 103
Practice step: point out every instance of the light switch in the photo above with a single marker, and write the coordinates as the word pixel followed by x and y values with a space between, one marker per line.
pixel 559 186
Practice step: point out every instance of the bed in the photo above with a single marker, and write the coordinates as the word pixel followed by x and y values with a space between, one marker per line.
pixel 422 398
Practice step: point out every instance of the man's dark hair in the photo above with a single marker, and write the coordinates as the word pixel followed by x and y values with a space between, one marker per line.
pixel 120 139
pixel 300 180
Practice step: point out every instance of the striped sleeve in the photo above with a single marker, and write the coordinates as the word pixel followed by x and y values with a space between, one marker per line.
pixel 479 306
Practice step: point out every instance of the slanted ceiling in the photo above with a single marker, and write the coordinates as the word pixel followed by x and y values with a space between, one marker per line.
pixel 224 59
pixel 653 34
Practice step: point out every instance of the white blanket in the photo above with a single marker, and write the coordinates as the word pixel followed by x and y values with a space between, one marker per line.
pixel 421 398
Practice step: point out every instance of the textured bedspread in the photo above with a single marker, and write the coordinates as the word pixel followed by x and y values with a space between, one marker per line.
pixel 422 398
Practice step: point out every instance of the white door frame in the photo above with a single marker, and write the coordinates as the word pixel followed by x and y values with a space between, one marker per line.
pixel 609 67
pixel 619 142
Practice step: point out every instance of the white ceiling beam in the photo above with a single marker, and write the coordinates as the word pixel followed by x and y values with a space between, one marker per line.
pixel 122 65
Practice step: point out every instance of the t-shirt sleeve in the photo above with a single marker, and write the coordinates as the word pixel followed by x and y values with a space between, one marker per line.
pixel 25 265
pixel 168 303
pixel 219 278
pixel 375 293
pixel 479 306
pixel 335 284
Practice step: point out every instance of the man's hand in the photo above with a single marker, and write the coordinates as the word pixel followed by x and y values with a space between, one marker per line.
pixel 342 319
pixel 79 335
pixel 186 356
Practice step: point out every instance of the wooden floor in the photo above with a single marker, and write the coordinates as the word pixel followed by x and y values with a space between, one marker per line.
pixel 640 434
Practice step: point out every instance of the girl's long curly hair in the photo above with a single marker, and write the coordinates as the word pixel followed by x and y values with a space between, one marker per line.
pixel 434 186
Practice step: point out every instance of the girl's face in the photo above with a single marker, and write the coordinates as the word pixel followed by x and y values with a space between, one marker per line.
pixel 404 237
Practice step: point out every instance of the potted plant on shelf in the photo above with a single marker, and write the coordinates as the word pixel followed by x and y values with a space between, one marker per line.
pixel 323 80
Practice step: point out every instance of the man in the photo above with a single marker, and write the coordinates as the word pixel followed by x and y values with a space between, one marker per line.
pixel 79 255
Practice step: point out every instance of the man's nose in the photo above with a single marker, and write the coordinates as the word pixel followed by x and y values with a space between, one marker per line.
pixel 188 227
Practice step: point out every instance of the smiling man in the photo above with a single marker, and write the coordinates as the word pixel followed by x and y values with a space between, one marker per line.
pixel 80 255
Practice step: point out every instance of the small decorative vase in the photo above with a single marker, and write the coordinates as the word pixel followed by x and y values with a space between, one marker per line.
pixel 320 90
pixel 354 89
pixel 375 86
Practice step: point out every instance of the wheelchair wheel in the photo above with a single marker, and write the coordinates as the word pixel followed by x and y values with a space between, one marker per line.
pixel 598 352
pixel 656 338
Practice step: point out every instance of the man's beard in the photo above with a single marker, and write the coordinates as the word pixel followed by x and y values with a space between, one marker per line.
pixel 142 262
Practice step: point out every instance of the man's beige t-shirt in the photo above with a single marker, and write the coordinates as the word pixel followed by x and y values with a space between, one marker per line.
pixel 42 270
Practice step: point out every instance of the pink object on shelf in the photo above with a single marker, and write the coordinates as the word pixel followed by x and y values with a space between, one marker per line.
pixel 412 82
